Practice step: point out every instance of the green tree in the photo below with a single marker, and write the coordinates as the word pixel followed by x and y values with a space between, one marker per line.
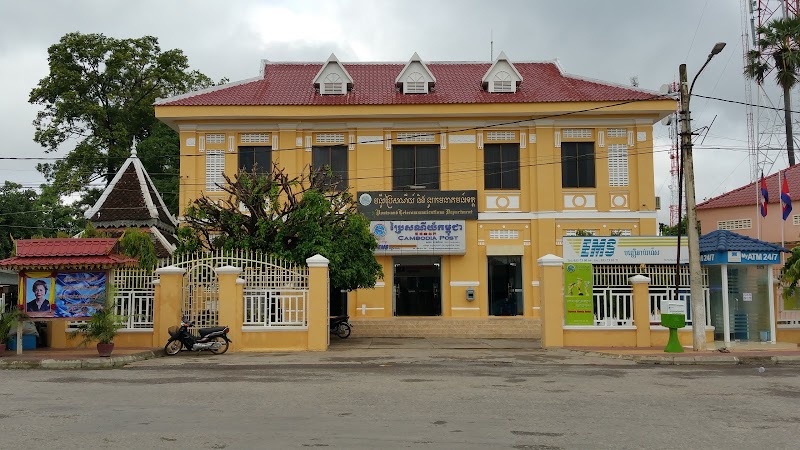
pixel 137 244
pixel 667 230
pixel 99 94
pixel 292 218
pixel 25 214
pixel 778 49
pixel 790 273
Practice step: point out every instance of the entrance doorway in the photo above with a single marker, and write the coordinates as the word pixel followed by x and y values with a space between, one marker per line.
pixel 417 286
pixel 505 286
pixel 338 301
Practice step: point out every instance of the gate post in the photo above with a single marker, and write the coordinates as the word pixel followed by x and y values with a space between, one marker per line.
pixel 641 309
pixel 167 302
pixel 230 303
pixel 551 294
pixel 318 307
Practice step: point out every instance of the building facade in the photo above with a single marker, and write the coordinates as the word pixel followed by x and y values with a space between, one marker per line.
pixel 468 172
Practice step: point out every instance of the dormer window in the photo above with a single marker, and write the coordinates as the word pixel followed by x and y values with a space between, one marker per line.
pixel 503 82
pixel 332 78
pixel 502 76
pixel 333 84
pixel 415 78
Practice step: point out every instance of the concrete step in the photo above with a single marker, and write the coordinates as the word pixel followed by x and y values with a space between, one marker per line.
pixel 448 327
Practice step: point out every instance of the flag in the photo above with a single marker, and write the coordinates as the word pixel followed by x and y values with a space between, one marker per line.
pixel 764 196
pixel 786 199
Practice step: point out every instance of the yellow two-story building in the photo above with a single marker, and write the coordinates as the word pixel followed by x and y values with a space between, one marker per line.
pixel 468 172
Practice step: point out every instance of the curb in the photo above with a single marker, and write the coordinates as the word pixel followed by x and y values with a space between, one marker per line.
pixel 88 364
pixel 688 359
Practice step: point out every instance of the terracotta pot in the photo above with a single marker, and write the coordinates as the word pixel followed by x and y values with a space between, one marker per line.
pixel 105 349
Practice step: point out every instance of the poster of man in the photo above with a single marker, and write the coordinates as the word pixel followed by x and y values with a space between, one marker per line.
pixel 39 297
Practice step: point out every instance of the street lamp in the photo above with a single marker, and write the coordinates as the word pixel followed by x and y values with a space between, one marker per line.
pixel 695 271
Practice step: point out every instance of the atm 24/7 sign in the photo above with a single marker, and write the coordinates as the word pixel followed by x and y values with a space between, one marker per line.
pixel 624 250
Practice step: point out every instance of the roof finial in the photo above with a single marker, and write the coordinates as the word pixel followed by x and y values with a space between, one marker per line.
pixel 133 148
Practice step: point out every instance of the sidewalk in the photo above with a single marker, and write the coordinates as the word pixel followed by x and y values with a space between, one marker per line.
pixel 751 354
pixel 738 353
pixel 81 358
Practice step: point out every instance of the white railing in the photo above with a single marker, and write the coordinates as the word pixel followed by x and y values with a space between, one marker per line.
pixel 137 306
pixel 789 319
pixel 265 308
pixel 660 294
pixel 613 307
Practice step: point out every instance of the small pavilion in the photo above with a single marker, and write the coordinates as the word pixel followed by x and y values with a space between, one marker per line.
pixel 741 286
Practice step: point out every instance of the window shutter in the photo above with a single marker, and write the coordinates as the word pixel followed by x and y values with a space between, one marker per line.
pixel 617 165
pixel 215 167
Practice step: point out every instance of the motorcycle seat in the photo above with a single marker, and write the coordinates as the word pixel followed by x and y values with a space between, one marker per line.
pixel 209 330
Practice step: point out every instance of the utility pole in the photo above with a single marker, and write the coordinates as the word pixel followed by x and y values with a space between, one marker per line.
pixel 695 271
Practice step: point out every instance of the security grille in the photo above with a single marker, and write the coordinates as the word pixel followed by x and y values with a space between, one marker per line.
pixel 617 132
pixel 421 136
pixel 329 138
pixel 503 234
pixel 216 138
pixel 501 136
pixel 572 133
pixel 254 138
pixel 735 224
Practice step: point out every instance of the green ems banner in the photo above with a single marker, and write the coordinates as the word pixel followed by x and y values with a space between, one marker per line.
pixel 578 294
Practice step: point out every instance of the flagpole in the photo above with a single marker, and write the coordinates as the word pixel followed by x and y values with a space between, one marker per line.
pixel 758 205
pixel 783 222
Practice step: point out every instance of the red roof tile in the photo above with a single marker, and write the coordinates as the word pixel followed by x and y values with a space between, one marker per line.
pixel 374 84
pixel 749 194
pixel 66 252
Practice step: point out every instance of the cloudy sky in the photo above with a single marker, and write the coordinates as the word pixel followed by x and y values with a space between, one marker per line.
pixel 610 40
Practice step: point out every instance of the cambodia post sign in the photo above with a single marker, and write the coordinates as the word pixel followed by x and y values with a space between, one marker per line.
pixel 404 237
pixel 419 205
pixel 624 250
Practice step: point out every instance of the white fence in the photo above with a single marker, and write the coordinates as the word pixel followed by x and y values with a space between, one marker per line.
pixel 789 319
pixel 134 294
pixel 613 306
pixel 272 309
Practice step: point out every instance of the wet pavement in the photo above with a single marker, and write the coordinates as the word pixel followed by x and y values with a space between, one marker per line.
pixel 408 349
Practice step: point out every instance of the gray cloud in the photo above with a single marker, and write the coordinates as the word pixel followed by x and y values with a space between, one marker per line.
pixel 608 40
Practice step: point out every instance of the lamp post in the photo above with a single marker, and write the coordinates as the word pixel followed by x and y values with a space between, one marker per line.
pixel 695 271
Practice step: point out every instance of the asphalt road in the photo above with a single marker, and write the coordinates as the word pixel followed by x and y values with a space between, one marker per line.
pixel 412 398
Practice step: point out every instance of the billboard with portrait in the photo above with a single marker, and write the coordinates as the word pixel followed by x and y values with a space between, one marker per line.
pixel 66 295
pixel 39 295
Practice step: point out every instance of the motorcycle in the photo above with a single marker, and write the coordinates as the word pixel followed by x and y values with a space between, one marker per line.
pixel 213 339
pixel 340 326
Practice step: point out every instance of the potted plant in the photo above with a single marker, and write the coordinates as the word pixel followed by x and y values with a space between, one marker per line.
pixel 102 327
pixel 8 321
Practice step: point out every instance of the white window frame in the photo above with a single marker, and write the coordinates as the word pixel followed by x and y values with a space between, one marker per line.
pixel 618 165
pixel 215 170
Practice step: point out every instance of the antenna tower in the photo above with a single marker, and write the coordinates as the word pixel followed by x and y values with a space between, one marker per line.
pixel 766 132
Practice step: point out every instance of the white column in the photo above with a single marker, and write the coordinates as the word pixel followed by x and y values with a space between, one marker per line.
pixel 725 306
pixel 772 337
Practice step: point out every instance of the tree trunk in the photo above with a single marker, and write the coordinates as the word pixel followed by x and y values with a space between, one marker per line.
pixel 787 116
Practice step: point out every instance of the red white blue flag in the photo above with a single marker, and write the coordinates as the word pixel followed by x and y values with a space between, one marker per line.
pixel 786 199
pixel 764 196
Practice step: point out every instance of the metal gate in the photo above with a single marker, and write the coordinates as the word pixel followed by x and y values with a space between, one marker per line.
pixel 276 291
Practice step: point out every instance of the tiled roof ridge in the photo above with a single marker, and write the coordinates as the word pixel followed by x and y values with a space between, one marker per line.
pixel 719 235
pixel 774 198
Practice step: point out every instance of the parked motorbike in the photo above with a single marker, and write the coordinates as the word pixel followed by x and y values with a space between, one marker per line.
pixel 213 339
pixel 340 326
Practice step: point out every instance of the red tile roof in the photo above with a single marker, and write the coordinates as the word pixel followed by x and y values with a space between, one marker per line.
pixel 66 253
pixel 374 84
pixel 749 194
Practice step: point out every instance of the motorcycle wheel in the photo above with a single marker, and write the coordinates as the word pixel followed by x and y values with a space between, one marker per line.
pixel 223 348
pixel 172 347
pixel 343 330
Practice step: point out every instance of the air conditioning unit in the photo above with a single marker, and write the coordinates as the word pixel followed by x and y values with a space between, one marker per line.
pixel 658 203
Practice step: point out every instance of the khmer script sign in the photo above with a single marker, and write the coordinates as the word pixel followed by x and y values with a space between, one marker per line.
pixel 420 237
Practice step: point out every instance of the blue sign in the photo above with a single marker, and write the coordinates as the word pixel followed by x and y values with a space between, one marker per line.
pixel 739 257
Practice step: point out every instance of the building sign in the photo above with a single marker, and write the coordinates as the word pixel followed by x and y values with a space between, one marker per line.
pixel 578 294
pixel 419 205
pixel 63 295
pixel 738 257
pixel 435 237
pixel 624 250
